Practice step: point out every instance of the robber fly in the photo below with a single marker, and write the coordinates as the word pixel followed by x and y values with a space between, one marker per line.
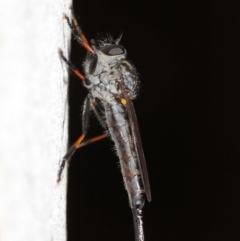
pixel 112 82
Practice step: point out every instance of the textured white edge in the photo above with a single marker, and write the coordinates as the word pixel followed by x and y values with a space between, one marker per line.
pixel 33 119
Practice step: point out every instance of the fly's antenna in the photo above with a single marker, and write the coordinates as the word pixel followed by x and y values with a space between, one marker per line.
pixel 78 34
pixel 118 39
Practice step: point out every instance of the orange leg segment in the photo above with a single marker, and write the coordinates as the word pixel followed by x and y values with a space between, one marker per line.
pixel 71 66
pixel 69 154
pixel 78 34
pixel 92 140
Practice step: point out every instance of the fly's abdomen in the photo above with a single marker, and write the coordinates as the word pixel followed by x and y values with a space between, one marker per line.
pixel 120 134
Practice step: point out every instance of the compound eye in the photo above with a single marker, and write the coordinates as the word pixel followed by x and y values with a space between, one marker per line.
pixel 113 49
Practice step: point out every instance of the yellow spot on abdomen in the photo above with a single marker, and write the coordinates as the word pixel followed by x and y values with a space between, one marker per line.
pixel 123 101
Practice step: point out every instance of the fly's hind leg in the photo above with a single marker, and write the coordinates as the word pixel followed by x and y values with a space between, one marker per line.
pixel 92 140
pixel 89 104
pixel 75 146
pixel 94 107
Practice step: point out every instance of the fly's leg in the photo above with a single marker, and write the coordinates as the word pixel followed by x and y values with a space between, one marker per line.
pixel 77 33
pixel 88 104
pixel 92 140
pixel 75 146
pixel 68 156
pixel 71 66
pixel 85 119
pixel 95 108
pixel 78 28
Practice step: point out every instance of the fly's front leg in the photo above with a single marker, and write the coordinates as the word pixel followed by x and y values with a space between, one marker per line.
pixel 77 144
pixel 78 33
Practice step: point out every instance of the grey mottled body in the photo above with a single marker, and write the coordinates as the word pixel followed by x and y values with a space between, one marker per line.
pixel 112 79
pixel 112 82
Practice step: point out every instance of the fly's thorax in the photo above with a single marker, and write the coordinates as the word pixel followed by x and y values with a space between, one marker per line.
pixel 109 71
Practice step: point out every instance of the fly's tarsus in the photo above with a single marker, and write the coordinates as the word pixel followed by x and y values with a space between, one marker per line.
pixel 69 154
pixel 65 160
pixel 73 148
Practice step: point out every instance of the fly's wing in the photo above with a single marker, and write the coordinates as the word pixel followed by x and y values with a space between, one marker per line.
pixel 138 146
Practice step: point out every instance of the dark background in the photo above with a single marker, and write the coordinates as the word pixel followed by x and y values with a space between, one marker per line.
pixel 188 57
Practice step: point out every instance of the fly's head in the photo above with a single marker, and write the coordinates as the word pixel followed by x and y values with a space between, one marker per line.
pixel 109 67
pixel 108 53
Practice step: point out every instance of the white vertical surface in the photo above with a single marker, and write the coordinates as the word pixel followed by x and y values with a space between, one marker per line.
pixel 33 119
